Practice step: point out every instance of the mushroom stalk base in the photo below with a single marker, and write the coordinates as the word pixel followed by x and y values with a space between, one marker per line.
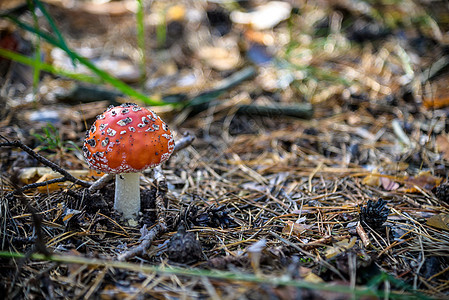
pixel 127 194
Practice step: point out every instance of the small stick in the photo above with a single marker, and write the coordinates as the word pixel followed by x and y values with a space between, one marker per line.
pixel 186 140
pixel 363 235
pixel 302 111
pixel 36 184
pixel 161 194
pixel 397 129
pixel 144 245
pixel 101 182
pixel 161 227
pixel 323 241
pixel 66 175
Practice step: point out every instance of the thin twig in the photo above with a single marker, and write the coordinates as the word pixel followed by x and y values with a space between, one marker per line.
pixel 306 253
pixel 36 185
pixel 363 235
pixel 161 227
pixel 162 189
pixel 147 240
pixel 101 182
pixel 323 241
pixel 186 140
pixel 66 175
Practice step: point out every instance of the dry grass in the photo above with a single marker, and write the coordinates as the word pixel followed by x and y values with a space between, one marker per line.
pixel 273 200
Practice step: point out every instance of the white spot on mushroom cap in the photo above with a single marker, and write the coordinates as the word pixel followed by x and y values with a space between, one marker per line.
pixel 105 142
pixel 111 132
pixel 153 117
pixel 110 145
pixel 125 121
pixel 165 156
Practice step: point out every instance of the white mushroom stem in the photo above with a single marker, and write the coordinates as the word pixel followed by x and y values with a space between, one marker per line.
pixel 127 194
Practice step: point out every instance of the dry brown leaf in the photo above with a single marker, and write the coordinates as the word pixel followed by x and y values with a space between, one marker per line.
pixel 438 102
pixel 32 174
pixel 388 184
pixel 372 179
pixel 308 275
pixel 50 187
pixel 440 221
pixel 74 268
pixel 220 58
pixel 424 180
pixel 292 228
pixel 41 174
pixel 438 94
pixel 340 247
pixel 311 277
pixel 113 8
pixel 442 143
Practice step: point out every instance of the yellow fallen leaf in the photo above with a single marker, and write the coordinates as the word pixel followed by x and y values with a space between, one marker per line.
pixel 442 143
pixel 50 187
pixel 424 180
pixel 218 58
pixel 176 13
pixel 30 175
pixel 313 278
pixel 340 247
pixel 436 102
pixel 292 228
pixel 440 221
pixel 372 179
pixel 59 185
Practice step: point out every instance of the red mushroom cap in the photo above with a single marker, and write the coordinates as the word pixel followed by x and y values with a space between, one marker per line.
pixel 126 139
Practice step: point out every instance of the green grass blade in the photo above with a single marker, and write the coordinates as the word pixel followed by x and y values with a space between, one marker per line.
pixel 37 51
pixel 46 67
pixel 54 28
pixel 118 84
pixel 47 37
pixel 141 37
pixel 220 275
pixel 161 31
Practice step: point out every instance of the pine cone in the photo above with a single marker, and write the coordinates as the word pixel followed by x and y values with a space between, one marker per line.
pixel 442 192
pixel 374 214
pixel 183 247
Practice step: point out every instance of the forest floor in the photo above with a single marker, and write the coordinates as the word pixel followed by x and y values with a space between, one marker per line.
pixel 318 168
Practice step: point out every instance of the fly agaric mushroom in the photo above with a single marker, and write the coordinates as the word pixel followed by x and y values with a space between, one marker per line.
pixel 125 140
